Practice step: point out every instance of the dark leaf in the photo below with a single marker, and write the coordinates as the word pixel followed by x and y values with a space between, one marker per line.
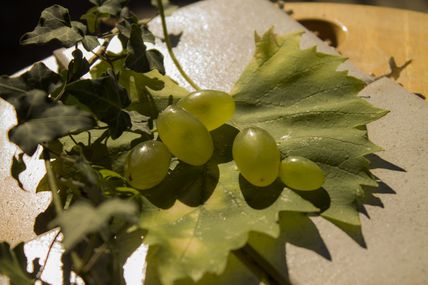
pixel 137 59
pixel 82 219
pixel 149 92
pixel 41 120
pixel 106 99
pixel 155 60
pixel 77 67
pixel 55 24
pixel 111 7
pixel 13 264
pixel 18 166
pixel 90 42
pixel 92 19
pixel 38 77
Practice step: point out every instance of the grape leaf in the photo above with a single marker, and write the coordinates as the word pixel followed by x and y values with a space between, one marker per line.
pixel 55 24
pixel 313 111
pixel 13 264
pixel 192 238
pixel 82 219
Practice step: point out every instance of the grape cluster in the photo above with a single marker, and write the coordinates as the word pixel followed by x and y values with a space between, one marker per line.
pixel 185 128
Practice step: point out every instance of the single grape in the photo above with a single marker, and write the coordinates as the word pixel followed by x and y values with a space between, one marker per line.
pixel 185 136
pixel 301 173
pixel 213 108
pixel 147 164
pixel 257 156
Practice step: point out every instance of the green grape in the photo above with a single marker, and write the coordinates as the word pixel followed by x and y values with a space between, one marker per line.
pixel 185 136
pixel 213 108
pixel 147 164
pixel 257 156
pixel 301 173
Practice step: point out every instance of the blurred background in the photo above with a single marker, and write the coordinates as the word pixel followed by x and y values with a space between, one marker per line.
pixel 21 16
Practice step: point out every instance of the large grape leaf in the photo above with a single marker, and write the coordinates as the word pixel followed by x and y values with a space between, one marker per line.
pixel 312 110
pixel 191 240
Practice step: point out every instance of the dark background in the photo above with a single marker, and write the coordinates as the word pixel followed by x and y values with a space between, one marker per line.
pixel 20 16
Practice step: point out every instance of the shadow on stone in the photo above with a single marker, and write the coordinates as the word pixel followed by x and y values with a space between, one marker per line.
pixel 378 162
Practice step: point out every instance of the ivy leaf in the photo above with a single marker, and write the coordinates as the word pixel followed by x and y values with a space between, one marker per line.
pixel 38 77
pixel 90 42
pixel 312 111
pixel 40 120
pixel 106 99
pixel 82 219
pixel 110 7
pixel 77 67
pixel 149 92
pixel 13 264
pixel 137 59
pixel 55 24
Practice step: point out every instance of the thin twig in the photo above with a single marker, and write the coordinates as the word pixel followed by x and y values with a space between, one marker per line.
pixel 39 274
pixel 169 47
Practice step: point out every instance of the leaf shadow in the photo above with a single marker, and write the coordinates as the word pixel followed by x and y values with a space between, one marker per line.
pixel 223 138
pixel 260 197
pixel 191 185
pixel 319 198
pixel 378 162
pixel 296 229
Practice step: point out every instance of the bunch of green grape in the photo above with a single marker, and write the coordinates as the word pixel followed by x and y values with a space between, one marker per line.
pixel 184 130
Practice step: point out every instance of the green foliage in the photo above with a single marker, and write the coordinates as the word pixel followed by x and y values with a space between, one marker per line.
pixel 312 111
pixel 186 236
pixel 105 98
pixel 303 101
pixel 55 24
pixel 13 264
pixel 42 120
pixel 38 77
pixel 197 215
pixel 139 58
pixel 82 219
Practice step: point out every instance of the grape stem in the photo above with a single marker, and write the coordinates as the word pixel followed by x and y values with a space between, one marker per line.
pixel 259 266
pixel 169 47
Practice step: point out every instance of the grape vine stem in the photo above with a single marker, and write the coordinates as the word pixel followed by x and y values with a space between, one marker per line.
pixel 52 182
pixel 169 47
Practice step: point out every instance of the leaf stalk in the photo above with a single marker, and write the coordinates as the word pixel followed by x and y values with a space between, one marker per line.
pixel 169 47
